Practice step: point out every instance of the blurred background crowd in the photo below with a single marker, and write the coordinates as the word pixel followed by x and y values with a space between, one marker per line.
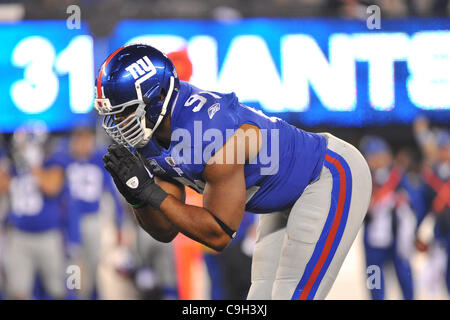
pixel 66 233
pixel 151 9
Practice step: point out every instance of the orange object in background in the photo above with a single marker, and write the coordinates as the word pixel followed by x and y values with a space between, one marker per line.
pixel 189 258
pixel 182 63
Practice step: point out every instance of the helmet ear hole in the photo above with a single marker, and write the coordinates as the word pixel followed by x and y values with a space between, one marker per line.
pixel 146 100
pixel 162 95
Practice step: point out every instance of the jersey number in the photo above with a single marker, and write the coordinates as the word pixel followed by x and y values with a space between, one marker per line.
pixel 26 198
pixel 201 98
pixel 85 181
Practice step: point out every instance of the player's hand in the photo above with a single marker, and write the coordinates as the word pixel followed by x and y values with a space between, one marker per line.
pixel 132 178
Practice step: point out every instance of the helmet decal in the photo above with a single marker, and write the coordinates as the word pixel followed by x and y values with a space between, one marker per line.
pixel 141 67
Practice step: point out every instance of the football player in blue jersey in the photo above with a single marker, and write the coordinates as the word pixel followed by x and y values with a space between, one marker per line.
pixel 435 147
pixel 34 239
pixel 389 229
pixel 311 191
pixel 87 182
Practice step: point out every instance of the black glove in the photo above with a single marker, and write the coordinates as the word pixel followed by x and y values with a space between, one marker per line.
pixel 132 178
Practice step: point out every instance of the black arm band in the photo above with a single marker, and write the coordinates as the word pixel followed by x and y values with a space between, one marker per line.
pixel 225 228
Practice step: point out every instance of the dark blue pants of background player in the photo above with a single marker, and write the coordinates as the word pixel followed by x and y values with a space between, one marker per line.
pixel 381 257
pixel 442 235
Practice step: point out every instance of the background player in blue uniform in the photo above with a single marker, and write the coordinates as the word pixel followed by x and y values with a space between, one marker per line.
pixel 435 146
pixel 389 229
pixel 87 182
pixel 311 190
pixel 34 239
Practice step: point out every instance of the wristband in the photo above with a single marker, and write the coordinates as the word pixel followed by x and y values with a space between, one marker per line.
pixel 157 196
pixel 152 194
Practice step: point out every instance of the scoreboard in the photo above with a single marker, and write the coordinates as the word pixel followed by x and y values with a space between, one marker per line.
pixel 307 71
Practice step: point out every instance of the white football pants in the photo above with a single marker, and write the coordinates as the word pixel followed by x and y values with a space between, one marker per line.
pixel 299 251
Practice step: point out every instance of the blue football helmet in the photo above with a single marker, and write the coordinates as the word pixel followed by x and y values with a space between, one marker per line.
pixel 136 87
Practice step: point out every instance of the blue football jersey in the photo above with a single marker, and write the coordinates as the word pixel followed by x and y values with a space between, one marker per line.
pixel 87 180
pixel 201 122
pixel 31 209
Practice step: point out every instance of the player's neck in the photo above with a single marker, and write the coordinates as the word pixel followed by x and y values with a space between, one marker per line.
pixel 164 132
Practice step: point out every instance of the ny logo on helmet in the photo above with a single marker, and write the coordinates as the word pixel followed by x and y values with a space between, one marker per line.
pixel 141 67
